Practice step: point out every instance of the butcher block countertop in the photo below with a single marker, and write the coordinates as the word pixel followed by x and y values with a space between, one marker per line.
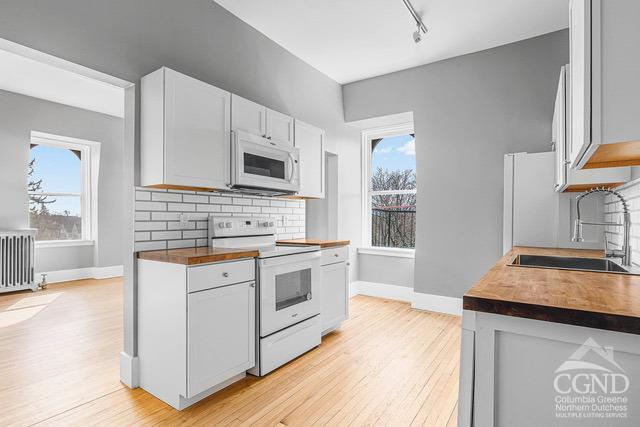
pixel 596 300
pixel 314 242
pixel 195 256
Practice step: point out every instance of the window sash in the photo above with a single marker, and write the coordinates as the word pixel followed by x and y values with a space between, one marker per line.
pixel 85 195
pixel 367 192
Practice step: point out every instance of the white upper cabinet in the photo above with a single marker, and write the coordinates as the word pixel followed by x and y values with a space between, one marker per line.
pixel 605 65
pixel 248 116
pixel 256 119
pixel 310 141
pixel 576 179
pixel 280 127
pixel 185 132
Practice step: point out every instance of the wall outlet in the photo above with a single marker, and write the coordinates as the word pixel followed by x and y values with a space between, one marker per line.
pixel 184 221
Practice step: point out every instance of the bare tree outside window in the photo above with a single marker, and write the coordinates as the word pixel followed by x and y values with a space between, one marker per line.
pixel 56 215
pixel 393 192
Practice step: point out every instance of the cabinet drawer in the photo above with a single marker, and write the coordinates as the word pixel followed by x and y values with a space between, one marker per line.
pixel 216 275
pixel 333 255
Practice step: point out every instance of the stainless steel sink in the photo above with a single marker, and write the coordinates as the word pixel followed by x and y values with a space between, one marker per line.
pixel 569 263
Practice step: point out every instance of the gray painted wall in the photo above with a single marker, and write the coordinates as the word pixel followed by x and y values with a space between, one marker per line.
pixel 386 269
pixel 128 39
pixel 468 112
pixel 19 115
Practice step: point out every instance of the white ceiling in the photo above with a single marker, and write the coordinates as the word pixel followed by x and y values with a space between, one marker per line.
pixel 34 78
pixel 350 40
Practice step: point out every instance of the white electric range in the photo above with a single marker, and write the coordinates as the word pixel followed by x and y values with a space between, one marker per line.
pixel 288 294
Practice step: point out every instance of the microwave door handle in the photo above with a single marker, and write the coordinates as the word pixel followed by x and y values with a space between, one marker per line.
pixel 291 172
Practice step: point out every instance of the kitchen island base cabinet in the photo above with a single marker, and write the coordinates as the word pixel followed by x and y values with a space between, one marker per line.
pixel 192 344
pixel 525 372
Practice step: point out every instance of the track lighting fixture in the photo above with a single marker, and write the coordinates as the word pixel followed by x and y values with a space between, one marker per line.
pixel 421 29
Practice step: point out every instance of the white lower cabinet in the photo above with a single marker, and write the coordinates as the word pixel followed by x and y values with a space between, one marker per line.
pixel 192 344
pixel 215 354
pixel 335 290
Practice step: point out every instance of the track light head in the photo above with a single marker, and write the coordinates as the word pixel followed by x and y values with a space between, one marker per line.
pixel 417 35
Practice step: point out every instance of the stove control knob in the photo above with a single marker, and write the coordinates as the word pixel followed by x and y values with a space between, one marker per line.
pixel 271 224
pixel 265 224
pixel 228 224
pixel 221 225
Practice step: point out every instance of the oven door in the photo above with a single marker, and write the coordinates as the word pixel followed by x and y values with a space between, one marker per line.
pixel 289 288
pixel 261 163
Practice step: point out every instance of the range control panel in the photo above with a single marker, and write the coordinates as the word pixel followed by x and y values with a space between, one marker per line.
pixel 236 226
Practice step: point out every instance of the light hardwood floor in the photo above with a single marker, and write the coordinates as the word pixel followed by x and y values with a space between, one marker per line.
pixel 387 365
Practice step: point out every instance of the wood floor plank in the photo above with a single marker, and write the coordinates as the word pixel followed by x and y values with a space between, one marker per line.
pixel 387 365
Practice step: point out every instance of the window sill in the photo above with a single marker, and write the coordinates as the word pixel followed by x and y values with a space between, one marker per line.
pixel 63 243
pixel 390 252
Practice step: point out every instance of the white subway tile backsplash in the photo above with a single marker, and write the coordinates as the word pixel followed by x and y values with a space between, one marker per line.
pixel 166 235
pixel 231 208
pixel 143 195
pixel 149 226
pixel 191 225
pixel 166 197
pixel 165 216
pixel 151 206
pixel 150 246
pixel 251 209
pixel 241 201
pixel 181 207
pixel 157 215
pixel 208 208
pixel 194 234
pixel 142 236
pixel 191 198
pixel 175 244
pixel 221 200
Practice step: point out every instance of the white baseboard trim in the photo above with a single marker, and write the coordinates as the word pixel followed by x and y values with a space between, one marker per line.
pixel 439 303
pixel 81 273
pixel 129 370
pixel 419 301
pixel 382 290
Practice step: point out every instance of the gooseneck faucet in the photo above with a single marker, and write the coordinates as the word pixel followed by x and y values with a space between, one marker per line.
pixel 625 253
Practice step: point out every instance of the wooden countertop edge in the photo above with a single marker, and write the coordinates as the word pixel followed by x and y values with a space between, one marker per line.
pixel 568 316
pixel 164 256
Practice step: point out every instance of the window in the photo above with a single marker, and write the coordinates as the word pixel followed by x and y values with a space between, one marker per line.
pixel 60 187
pixel 390 193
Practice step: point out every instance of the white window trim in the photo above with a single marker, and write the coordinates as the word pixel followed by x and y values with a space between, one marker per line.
pixel 367 135
pixel 390 252
pixel 90 166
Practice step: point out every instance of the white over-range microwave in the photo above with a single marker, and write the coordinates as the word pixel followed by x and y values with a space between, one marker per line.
pixel 260 165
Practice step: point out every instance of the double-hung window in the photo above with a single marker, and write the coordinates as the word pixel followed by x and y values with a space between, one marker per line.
pixel 60 188
pixel 389 164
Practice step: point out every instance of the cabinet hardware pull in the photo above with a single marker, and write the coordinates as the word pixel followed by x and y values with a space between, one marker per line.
pixel 225 274
pixel 335 255
pixel 253 285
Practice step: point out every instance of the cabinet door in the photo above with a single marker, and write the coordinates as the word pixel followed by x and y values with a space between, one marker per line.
pixel 310 141
pixel 221 335
pixel 580 78
pixel 248 116
pixel 197 132
pixel 335 295
pixel 279 127
pixel 559 124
